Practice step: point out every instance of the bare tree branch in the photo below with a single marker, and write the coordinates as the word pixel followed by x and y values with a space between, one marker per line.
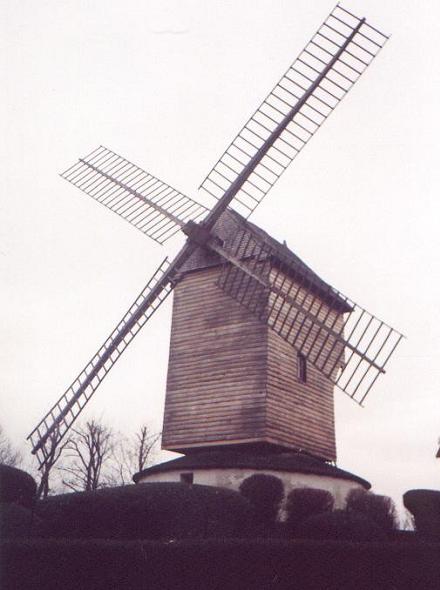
pixel 132 454
pixel 8 455
pixel 53 451
pixel 89 449
pixel 145 444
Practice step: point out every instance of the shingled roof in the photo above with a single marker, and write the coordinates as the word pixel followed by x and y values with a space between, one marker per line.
pixel 227 227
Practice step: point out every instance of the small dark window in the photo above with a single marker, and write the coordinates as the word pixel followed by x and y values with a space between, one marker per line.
pixel 187 478
pixel 301 368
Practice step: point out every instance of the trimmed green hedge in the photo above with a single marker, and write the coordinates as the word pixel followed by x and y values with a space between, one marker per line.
pixel 302 503
pixel 16 486
pixel 146 511
pixel 380 509
pixel 340 525
pixel 425 506
pixel 265 493
pixel 18 521
pixel 226 564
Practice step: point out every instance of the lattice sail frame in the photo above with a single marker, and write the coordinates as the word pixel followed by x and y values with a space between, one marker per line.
pixel 151 205
pixel 286 120
pixel 64 412
pixel 319 75
pixel 346 343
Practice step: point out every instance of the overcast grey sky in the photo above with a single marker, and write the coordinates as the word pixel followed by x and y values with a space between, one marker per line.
pixel 167 85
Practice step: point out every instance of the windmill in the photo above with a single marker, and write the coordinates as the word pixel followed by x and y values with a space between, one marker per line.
pixel 297 316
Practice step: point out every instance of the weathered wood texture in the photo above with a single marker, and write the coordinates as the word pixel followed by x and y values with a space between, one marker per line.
pixel 216 372
pixel 232 380
pixel 309 324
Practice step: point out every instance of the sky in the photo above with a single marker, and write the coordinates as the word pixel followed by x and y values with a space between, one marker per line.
pixel 168 85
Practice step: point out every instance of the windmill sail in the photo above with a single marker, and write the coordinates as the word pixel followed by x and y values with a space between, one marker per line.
pixel 346 343
pixel 152 206
pixel 62 414
pixel 312 87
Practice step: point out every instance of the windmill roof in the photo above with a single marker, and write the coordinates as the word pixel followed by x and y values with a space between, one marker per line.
pixel 280 250
pixel 220 459
pixel 227 227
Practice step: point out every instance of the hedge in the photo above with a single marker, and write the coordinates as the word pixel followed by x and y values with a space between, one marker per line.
pixel 425 506
pixel 340 525
pixel 305 502
pixel 16 486
pixel 226 564
pixel 18 521
pixel 265 493
pixel 146 511
pixel 380 509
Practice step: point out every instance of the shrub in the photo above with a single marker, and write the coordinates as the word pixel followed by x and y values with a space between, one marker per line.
pixel 213 564
pixel 340 525
pixel 265 493
pixel 18 521
pixel 305 502
pixel 16 486
pixel 146 511
pixel 380 509
pixel 425 506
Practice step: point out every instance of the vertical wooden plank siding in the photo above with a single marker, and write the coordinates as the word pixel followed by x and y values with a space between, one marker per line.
pixel 233 380
pixel 301 414
pixel 216 380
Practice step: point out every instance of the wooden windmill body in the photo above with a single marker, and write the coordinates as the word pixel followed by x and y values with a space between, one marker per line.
pixel 232 381
pixel 258 339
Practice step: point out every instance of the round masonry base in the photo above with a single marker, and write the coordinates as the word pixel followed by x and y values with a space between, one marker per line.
pixel 228 469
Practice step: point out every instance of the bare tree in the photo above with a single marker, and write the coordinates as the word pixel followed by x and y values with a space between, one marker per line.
pixel 144 446
pixel 132 454
pixel 88 451
pixel 8 455
pixel 54 449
